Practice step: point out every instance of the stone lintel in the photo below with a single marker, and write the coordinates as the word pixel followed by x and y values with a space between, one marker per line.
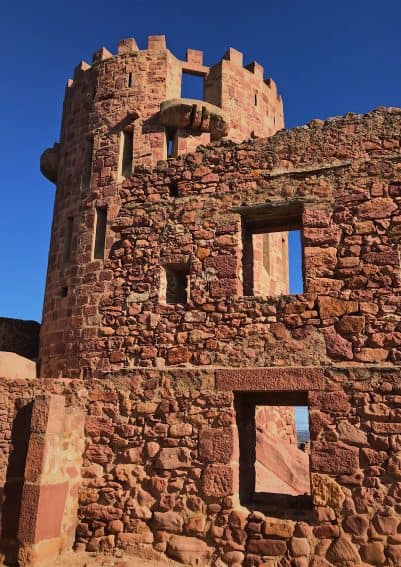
pixel 270 379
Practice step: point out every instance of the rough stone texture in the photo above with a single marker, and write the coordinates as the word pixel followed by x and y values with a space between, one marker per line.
pixel 170 390
pixel 20 337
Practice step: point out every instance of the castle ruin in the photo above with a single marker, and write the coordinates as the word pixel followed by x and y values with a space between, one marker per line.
pixel 171 352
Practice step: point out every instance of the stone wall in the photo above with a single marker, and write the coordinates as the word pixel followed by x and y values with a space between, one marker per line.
pixel 338 180
pixel 21 337
pixel 161 470
pixel 40 471
pixel 172 386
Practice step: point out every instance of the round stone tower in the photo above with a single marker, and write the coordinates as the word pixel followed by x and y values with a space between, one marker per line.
pixel 121 116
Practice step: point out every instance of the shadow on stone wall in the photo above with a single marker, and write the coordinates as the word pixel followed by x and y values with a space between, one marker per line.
pixel 12 491
pixel 21 337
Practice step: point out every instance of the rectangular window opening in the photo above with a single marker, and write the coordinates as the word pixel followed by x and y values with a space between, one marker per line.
pixel 100 233
pixel 295 262
pixel 64 291
pixel 171 142
pixel 272 258
pixel 130 80
pixel 192 86
pixel 68 239
pixel 256 99
pixel 87 166
pixel 126 153
pixel 175 283
pixel 274 441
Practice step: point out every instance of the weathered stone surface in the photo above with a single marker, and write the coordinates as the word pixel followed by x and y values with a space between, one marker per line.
pixel 216 445
pixel 342 551
pixel 326 492
pixel 278 528
pixel 270 379
pixel 387 525
pixel 320 262
pixel 378 208
pixel 168 521
pixel 217 480
pixel 332 307
pixel 267 546
pixel 373 553
pixel 394 466
pixel 335 459
pixel 299 547
pixel 189 550
pixel 351 435
pixel 173 458
pixel 338 347
pixel 356 525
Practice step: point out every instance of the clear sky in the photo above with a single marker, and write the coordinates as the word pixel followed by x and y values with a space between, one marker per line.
pixel 328 58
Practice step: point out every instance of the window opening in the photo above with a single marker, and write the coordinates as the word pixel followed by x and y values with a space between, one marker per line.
pixel 256 99
pixel 174 287
pixel 64 292
pixel 272 262
pixel 171 142
pixel 68 239
pixel 295 261
pixel 130 80
pixel 126 153
pixel 274 443
pixel 100 233
pixel 87 165
pixel 192 86
pixel 173 188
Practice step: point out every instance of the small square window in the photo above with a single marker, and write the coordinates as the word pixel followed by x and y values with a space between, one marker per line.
pixel 274 467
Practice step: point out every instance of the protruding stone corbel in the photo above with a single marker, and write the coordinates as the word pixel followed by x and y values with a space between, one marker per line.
pixel 49 162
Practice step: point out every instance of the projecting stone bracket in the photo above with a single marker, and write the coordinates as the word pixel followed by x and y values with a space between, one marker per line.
pixel 196 115
pixel 49 162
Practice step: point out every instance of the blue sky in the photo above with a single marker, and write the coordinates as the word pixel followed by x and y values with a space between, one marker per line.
pixel 328 58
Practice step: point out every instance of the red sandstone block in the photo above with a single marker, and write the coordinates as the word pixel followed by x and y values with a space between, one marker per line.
pixel 101 54
pixel 224 287
pixel 127 45
pixel 48 414
pixel 217 481
pixel 335 458
pixel 216 444
pixel 234 56
pixel 270 379
pixel 315 218
pixel 225 266
pixel 35 457
pixel 376 209
pixel 156 42
pixel 195 56
pixel 330 402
